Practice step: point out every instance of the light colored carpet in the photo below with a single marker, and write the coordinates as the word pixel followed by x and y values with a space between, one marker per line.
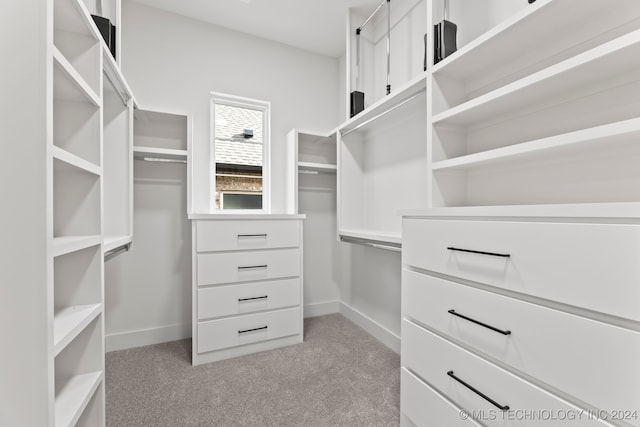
pixel 339 376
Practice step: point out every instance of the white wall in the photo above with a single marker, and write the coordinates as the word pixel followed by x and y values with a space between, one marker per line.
pixel 148 289
pixel 173 63
pixel 325 259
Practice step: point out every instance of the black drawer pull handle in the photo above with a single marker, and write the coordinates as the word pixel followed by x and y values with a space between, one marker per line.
pixel 253 298
pixel 479 393
pixel 500 331
pixel 252 235
pixel 451 248
pixel 249 267
pixel 252 330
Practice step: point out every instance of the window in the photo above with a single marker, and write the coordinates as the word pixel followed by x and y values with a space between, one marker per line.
pixel 240 147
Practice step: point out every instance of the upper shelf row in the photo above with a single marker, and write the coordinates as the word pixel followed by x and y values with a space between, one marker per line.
pixel 78 45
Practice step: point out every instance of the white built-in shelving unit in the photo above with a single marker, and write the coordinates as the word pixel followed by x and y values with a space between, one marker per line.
pixel 382 165
pixel 491 125
pixel 313 155
pixel 58 350
pixel 161 134
pixel 532 124
pixel 77 351
pixel 532 130
pixel 382 150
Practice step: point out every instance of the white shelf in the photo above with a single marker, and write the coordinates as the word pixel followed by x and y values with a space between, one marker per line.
pixel 68 244
pixel 397 97
pixel 564 27
pixel 313 137
pixel 159 153
pixel 589 69
pixel 624 212
pixel 606 137
pixel 73 16
pixel 69 84
pixel 69 322
pixel 113 73
pixel 248 216
pixel 373 235
pixel 72 397
pixel 75 161
pixel 317 167
pixel 113 242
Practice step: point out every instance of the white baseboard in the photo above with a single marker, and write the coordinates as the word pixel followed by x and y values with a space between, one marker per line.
pixel 321 308
pixel 374 328
pixel 139 338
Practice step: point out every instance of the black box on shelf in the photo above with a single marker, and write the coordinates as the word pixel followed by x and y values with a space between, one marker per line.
pixel 357 102
pixel 107 31
pixel 444 40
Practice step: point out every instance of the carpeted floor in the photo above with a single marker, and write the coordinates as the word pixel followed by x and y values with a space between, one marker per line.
pixel 339 376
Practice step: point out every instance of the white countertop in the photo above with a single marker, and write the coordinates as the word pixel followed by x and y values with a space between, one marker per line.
pixel 247 216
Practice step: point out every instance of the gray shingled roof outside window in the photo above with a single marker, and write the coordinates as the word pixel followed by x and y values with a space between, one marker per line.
pixel 230 145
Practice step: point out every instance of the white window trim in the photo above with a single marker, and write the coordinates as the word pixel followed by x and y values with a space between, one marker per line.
pixel 253 104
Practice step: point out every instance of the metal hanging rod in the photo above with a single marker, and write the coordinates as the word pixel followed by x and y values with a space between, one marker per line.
pixel 372 243
pixel 308 172
pixel 384 113
pixel 116 251
pixel 161 160
pixel 359 30
pixel 370 16
pixel 123 97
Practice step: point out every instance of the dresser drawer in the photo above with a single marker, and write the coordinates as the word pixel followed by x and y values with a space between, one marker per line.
pixel 247 266
pixel 230 235
pixel 247 329
pixel 586 265
pixel 437 361
pixel 424 407
pixel 246 298
pixel 558 348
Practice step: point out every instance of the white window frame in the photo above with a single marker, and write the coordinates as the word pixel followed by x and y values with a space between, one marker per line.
pixel 241 193
pixel 253 104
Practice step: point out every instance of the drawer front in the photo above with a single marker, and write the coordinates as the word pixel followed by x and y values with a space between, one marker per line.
pixel 247 266
pixel 586 265
pixel 424 407
pixel 558 348
pixel 239 299
pixel 233 235
pixel 247 329
pixel 435 360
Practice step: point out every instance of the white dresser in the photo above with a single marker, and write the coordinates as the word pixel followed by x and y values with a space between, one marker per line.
pixel 520 321
pixel 247 284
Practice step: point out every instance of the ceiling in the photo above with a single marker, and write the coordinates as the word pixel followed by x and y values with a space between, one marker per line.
pixel 314 25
